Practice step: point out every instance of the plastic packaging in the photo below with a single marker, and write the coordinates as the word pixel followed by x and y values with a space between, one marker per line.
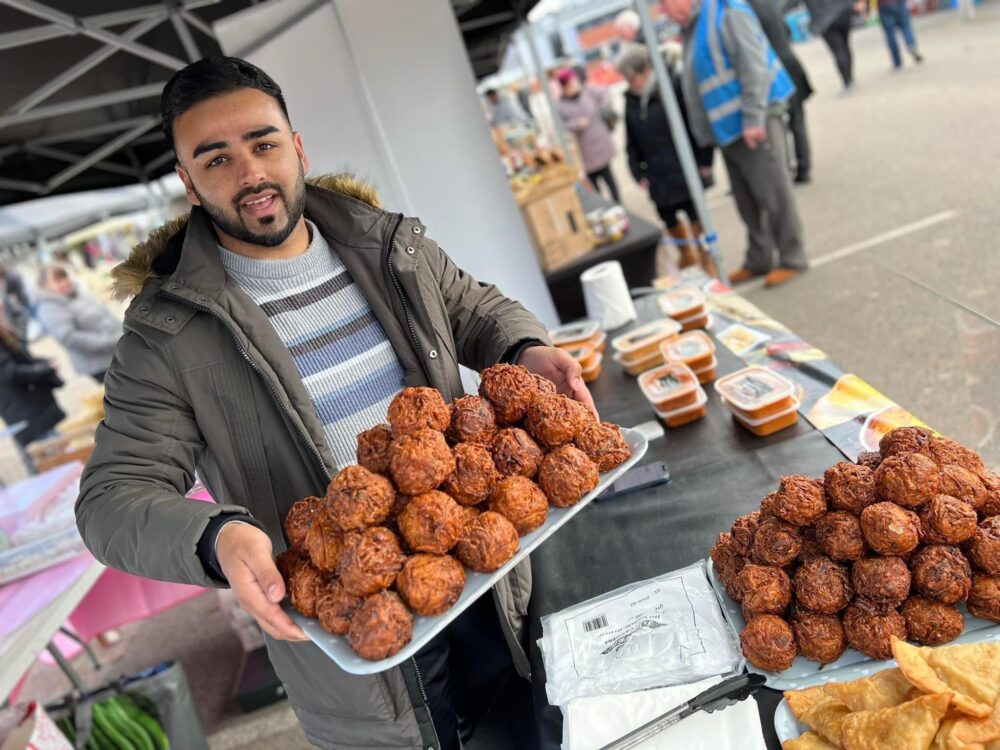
pixel 698 321
pixel 772 423
pixel 594 371
pixel 601 342
pixel 756 393
pixel 695 349
pixel 668 630
pixel 639 367
pixel 708 374
pixel 686 414
pixel 641 342
pixel 586 354
pixel 574 334
pixel 682 303
pixel 670 387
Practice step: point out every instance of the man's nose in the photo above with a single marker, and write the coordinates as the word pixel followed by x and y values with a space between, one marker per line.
pixel 251 173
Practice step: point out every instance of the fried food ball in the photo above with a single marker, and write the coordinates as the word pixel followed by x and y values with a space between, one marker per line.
pixel 545 386
pixel 903 440
pixel 870 628
pixel 510 389
pixel 472 421
pixel 883 581
pixel 431 522
pixel 775 543
pixel 849 487
pixel 468 513
pixel 984 597
pixel 521 502
pixel 889 529
pixel 299 519
pixel 431 584
pixel 743 530
pixel 947 520
pixel 604 444
pixel 515 452
pixel 991 485
pixel 325 541
pixel 965 485
pixel 944 451
pixel 822 586
pixel 554 420
pixel 566 475
pixel 907 479
pixel 768 643
pixel 488 541
pixel 304 589
pixel 336 606
pixel 984 547
pixel 767 505
pixel 931 622
pixel 818 637
pixel 871 459
pixel 420 461
pixel 838 534
pixel 475 476
pixel 381 626
pixel 764 590
pixel 373 448
pixel 286 563
pixel 799 501
pixel 942 572
pixel 358 498
pixel 370 561
pixel 418 409
pixel 810 551
pixel 728 562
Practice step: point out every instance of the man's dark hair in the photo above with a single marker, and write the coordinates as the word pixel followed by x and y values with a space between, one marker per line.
pixel 492 94
pixel 208 77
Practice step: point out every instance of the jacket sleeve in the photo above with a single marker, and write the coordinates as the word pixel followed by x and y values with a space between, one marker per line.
pixel 17 373
pixel 746 44
pixel 131 511
pixel 636 159
pixel 59 323
pixel 484 323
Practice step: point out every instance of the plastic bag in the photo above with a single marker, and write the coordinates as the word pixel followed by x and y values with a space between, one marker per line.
pixel 668 630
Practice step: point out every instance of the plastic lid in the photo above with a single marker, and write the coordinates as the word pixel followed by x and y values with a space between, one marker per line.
pixel 645 335
pixel 667 381
pixel 574 333
pixel 699 402
pixel 688 347
pixel 596 366
pixel 770 417
pixel 653 358
pixel 682 302
pixel 754 388
pixel 710 366
pixel 581 351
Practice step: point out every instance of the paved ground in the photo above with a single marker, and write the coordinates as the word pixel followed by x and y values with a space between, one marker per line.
pixel 900 223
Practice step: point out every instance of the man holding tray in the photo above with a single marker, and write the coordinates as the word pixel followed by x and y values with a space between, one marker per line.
pixel 269 327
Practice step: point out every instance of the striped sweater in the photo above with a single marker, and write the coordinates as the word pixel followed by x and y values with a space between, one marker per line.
pixel 341 351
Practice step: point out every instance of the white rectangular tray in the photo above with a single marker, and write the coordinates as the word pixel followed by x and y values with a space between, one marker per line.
pixel 477 584
pixel 851 665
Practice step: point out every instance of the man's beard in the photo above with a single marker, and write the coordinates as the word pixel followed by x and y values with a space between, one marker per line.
pixel 235 225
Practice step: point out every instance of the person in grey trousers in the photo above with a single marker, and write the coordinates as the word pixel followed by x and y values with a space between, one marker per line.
pixel 756 160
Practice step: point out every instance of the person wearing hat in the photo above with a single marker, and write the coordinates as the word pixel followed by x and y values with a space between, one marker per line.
pixel 585 110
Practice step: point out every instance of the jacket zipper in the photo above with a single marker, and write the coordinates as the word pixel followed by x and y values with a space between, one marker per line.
pixel 423 695
pixel 276 397
pixel 402 294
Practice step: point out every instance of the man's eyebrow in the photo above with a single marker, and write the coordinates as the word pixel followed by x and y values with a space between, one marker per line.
pixel 250 135
pixel 202 148
pixel 253 135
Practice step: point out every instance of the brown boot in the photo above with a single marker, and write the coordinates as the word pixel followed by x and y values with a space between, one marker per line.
pixel 780 276
pixel 740 275
pixel 703 257
pixel 680 234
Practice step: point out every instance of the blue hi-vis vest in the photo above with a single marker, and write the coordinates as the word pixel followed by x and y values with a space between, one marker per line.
pixel 717 83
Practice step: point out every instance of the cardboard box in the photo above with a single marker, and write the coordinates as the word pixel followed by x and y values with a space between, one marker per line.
pixel 555 218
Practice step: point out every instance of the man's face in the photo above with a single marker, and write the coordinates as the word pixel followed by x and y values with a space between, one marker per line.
pixel 679 11
pixel 637 82
pixel 241 162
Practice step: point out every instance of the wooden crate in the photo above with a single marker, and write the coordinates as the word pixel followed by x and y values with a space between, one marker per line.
pixel 555 218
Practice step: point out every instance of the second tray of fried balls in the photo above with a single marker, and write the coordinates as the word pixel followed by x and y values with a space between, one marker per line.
pixel 764 590
pixel 431 522
pixel 521 502
pixel 838 534
pixel 849 487
pixel 566 475
pixel 947 520
pixel 931 622
pixel 984 597
pixel 420 461
pixel 768 643
pixel 431 584
pixel 884 581
pixel 984 546
pixel 869 629
pixel 889 529
pixel 942 572
pixel 907 479
pixel 488 541
pixel 822 586
pixel 819 637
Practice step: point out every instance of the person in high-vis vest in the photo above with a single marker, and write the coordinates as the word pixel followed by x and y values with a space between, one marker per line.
pixel 736 92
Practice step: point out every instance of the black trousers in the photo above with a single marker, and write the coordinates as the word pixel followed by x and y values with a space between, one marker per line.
pixel 797 126
pixel 837 38
pixel 608 179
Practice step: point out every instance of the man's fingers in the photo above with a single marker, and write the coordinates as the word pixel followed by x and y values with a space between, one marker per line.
pixel 267 613
pixel 582 394
pixel 266 574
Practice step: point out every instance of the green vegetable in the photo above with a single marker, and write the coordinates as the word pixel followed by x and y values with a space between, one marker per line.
pixel 133 731
pixel 105 721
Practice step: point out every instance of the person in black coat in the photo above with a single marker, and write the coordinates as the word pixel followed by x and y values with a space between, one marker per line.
pixel 652 158
pixel 26 386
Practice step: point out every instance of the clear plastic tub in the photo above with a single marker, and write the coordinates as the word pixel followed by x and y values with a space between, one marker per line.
pixel 694 349
pixel 685 414
pixel 698 321
pixel 755 393
pixel 593 372
pixel 686 302
pixel 772 423
pixel 601 342
pixel 586 354
pixel 574 334
pixel 644 341
pixel 709 373
pixel 670 387
pixel 637 368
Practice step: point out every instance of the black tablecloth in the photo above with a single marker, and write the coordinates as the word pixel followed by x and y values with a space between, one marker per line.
pixel 719 471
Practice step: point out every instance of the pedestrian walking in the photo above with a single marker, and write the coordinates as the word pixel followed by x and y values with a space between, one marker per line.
pixel 894 15
pixel 586 111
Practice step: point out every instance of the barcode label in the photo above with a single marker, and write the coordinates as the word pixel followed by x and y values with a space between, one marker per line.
pixel 596 624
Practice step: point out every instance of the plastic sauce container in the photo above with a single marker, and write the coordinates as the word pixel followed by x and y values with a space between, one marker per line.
pixel 575 334
pixel 644 341
pixel 593 372
pixel 694 349
pixel 685 414
pixel 773 423
pixel 698 321
pixel 637 368
pixel 601 342
pixel 709 373
pixel 754 393
pixel 670 387
pixel 679 304
pixel 586 354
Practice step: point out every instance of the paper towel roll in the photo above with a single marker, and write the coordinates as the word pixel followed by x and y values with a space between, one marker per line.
pixel 606 296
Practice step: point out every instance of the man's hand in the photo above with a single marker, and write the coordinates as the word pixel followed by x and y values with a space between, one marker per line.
pixel 556 365
pixel 244 554
pixel 753 137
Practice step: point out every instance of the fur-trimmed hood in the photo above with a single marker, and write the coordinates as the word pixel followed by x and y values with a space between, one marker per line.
pixel 129 276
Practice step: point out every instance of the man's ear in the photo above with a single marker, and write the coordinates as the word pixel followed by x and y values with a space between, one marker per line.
pixel 301 151
pixel 192 196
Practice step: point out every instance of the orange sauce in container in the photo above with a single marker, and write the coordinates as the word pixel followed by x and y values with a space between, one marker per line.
pixel 576 334
pixel 680 304
pixel 686 414
pixel 670 387
pixel 773 423
pixel 637 368
pixel 601 342
pixel 708 374
pixel 593 372
pixel 699 321
pixel 694 349
pixel 586 354
pixel 644 341
pixel 755 393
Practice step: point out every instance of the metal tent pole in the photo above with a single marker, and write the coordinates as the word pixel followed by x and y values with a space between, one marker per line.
pixel 679 134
